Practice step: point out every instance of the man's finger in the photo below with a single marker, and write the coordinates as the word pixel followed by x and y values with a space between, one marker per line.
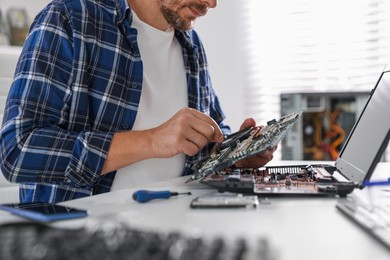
pixel 217 132
pixel 248 123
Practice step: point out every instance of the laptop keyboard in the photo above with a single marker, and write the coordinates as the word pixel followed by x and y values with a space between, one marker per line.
pixel 374 219
pixel 118 241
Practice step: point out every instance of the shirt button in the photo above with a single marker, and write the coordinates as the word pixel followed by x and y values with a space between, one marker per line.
pixel 134 85
pixel 125 126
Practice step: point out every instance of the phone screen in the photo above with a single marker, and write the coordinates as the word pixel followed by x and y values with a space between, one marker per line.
pixel 44 212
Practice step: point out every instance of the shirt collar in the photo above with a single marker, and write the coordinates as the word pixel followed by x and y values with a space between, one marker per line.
pixel 123 9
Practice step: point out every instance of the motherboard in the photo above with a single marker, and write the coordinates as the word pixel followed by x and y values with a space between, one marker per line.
pixel 243 144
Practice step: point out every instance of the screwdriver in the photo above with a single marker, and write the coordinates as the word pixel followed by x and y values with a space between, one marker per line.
pixel 146 195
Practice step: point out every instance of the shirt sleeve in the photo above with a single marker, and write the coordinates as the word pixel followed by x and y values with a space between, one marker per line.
pixel 217 113
pixel 39 141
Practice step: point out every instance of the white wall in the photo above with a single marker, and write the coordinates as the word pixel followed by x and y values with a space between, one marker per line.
pixel 221 33
pixel 32 6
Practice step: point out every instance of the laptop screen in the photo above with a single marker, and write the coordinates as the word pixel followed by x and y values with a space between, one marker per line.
pixel 369 136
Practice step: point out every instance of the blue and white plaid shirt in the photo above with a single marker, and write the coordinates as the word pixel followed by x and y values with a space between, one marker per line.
pixel 77 82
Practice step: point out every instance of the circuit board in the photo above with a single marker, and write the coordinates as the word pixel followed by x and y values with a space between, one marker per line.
pixel 308 179
pixel 243 144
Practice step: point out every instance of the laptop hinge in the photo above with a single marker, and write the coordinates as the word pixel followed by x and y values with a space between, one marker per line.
pixel 339 176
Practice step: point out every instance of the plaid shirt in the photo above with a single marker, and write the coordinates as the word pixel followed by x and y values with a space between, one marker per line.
pixel 77 82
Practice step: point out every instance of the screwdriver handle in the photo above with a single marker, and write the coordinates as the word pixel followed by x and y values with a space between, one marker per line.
pixel 146 195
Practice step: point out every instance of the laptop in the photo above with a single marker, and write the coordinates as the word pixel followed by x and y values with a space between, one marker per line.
pixel 370 209
pixel 354 166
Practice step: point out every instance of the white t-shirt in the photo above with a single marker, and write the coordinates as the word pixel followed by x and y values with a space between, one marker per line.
pixel 164 92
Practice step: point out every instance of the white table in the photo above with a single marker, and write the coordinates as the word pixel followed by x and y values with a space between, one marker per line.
pixel 297 228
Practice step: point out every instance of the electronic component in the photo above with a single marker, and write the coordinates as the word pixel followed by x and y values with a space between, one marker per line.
pixel 327 119
pixel 303 179
pixel 243 144
pixel 221 200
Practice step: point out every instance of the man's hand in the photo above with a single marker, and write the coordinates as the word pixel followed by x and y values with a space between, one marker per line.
pixel 188 131
pixel 259 159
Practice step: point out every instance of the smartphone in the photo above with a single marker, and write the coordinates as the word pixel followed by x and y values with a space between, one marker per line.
pixel 44 212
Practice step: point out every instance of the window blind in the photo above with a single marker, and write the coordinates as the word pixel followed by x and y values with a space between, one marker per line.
pixel 312 45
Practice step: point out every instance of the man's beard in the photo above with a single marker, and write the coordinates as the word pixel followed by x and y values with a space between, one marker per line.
pixel 171 14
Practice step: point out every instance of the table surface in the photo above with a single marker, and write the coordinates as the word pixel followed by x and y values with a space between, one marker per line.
pixel 295 227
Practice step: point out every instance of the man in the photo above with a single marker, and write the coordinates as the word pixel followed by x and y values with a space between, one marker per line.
pixel 108 85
